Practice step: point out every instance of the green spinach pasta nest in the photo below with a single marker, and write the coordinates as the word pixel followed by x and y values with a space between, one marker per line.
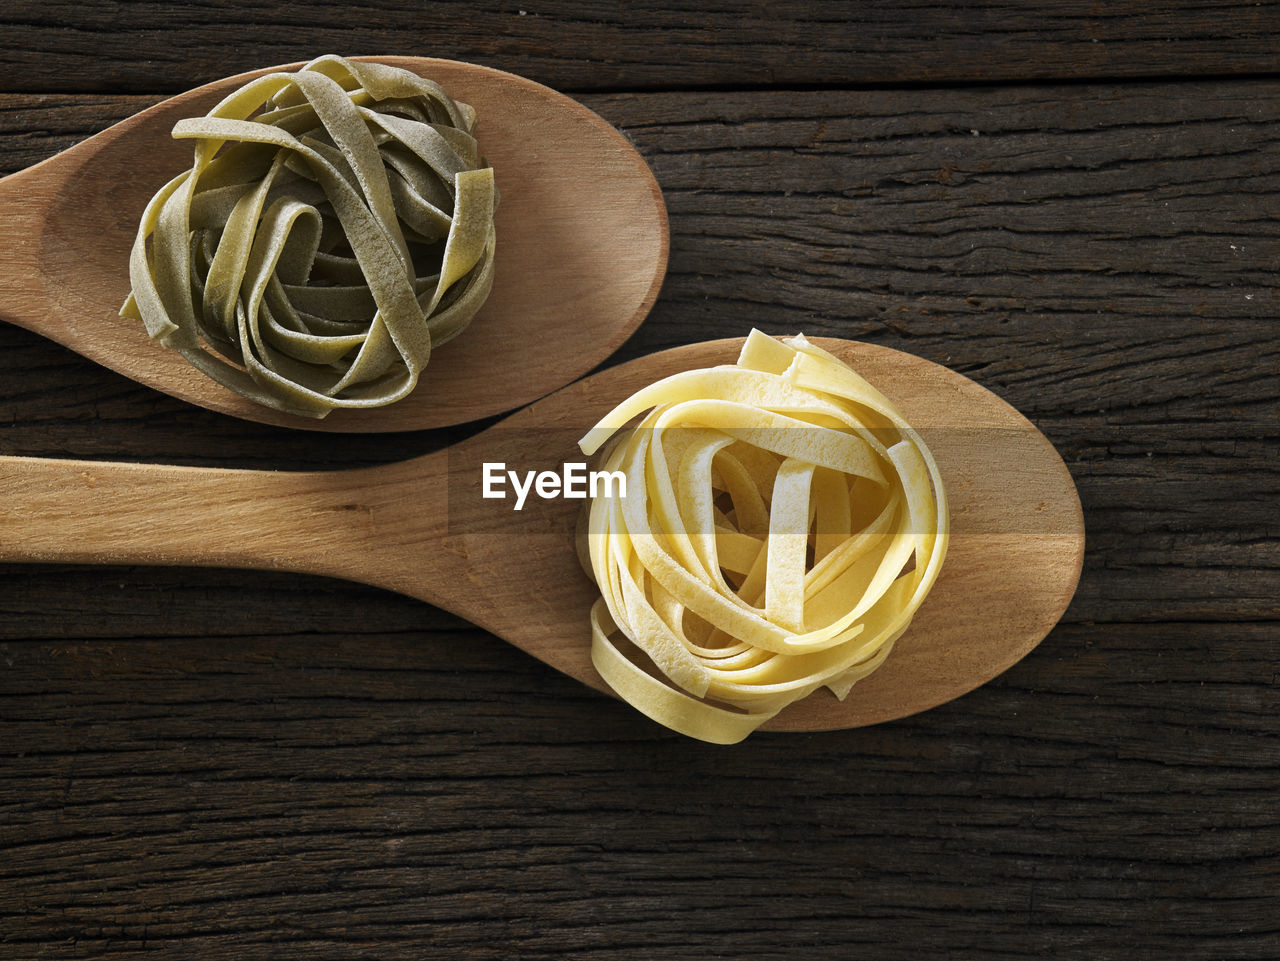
pixel 336 225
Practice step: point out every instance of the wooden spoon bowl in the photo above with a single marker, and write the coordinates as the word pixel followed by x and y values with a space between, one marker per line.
pixel 421 527
pixel 582 250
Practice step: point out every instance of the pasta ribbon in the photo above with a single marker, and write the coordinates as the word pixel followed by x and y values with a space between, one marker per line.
pixel 335 227
pixel 781 525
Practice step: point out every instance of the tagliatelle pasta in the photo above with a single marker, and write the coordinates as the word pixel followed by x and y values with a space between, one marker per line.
pixel 780 526
pixel 335 227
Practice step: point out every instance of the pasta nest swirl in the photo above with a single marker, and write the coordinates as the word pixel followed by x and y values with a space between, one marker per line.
pixel 335 226
pixel 779 526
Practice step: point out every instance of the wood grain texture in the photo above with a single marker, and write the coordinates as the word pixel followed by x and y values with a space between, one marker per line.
pixel 582 45
pixel 390 794
pixel 205 763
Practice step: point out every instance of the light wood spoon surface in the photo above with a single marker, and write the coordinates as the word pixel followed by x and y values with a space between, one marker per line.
pixel 421 527
pixel 582 250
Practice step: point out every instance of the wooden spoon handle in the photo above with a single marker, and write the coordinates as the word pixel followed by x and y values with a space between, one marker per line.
pixel 327 523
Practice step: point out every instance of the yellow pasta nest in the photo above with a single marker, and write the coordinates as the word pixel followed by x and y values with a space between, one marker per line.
pixel 336 225
pixel 780 526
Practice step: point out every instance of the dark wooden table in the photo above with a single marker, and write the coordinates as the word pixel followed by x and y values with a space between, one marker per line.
pixel 1077 205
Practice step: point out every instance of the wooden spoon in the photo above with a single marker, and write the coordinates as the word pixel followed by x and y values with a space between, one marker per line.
pixel 582 249
pixel 421 527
